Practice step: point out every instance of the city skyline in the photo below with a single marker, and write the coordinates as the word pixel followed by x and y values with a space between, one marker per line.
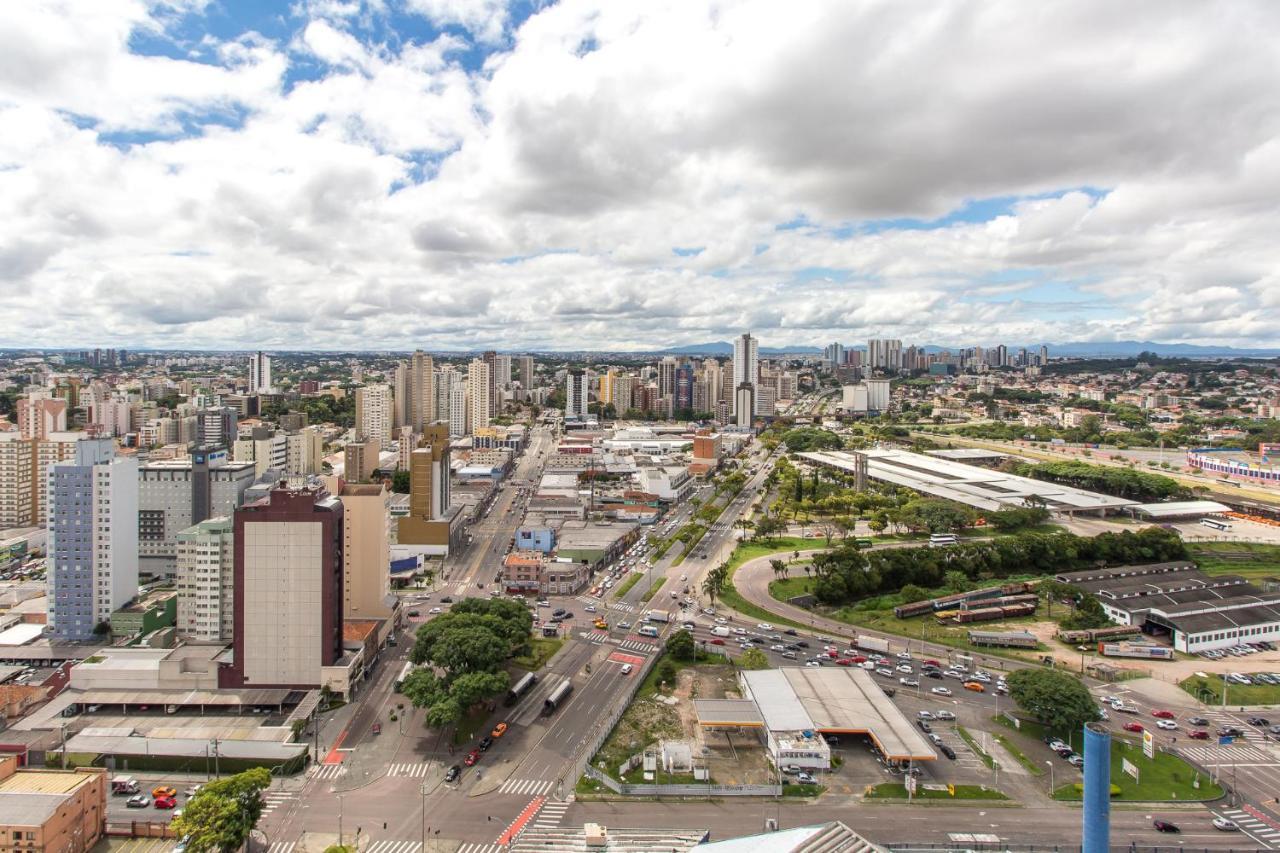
pixel 464 176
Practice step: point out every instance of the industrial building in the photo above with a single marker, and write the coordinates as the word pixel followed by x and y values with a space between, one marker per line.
pixel 981 488
pixel 793 706
pixel 1177 600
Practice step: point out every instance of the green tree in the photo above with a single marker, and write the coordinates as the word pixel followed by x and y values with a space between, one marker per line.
pixel 779 568
pixel 753 658
pixel 221 815
pixel 1054 697
pixel 667 672
pixel 1089 614
pixel 912 593
pixel 713 584
pixel 956 582
pixel 400 482
pixel 681 646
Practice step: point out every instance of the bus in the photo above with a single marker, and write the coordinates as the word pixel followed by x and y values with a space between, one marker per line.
pixel 1216 523
pixel 523 686
pixel 404 673
pixel 557 697
pixel 941 540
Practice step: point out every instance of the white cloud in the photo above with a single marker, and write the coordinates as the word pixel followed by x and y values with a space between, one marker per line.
pixel 372 190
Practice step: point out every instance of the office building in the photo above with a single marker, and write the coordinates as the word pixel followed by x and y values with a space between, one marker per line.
pixel 490 359
pixel 479 389
pixel 523 370
pixel 684 387
pixel 746 372
pixel 576 390
pixel 287 590
pixel 374 417
pixel 430 524
pixel 92 538
pixel 884 354
pixel 206 581
pixel 667 376
pixel 260 373
pixel 216 426
pixel 39 414
pixel 366 550
pixel 502 371
pixel 174 494
pixel 51 811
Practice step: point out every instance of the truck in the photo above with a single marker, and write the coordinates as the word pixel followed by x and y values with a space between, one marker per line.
pixel 124 785
pixel 720 631
pixel 872 644
pixel 658 616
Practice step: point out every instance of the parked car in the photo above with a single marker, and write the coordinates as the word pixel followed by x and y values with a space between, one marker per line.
pixel 1198 721
pixel 948 751
pixel 1258 721
pixel 452 774
pixel 944 715
pixel 485 743
pixel 472 757
pixel 138 801
pixel 1198 735
pixel 498 731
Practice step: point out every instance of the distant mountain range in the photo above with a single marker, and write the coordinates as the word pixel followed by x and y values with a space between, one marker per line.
pixel 1078 349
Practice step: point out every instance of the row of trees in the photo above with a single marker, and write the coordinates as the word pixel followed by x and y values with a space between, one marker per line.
pixel 845 574
pixel 466 650
pixel 1108 479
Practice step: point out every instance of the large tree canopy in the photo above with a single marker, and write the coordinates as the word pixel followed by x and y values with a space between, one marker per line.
pixel 1055 698
pixel 220 816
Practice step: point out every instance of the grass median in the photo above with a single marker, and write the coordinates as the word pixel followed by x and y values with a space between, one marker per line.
pixel 1165 779
pixel 898 791
pixel 973 745
pixel 657 585
pixel 626 585
pixel 1209 691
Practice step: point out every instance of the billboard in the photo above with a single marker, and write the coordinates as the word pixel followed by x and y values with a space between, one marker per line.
pixel 1130 769
pixel 1148 744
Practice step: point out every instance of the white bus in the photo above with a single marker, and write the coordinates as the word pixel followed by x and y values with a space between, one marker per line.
pixel 939 540
pixel 1216 523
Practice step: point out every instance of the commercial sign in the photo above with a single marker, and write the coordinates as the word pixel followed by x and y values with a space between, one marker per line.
pixel 1148 744
pixel 1130 769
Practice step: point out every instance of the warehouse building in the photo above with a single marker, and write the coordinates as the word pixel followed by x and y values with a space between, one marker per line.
pixel 793 707
pixel 1177 600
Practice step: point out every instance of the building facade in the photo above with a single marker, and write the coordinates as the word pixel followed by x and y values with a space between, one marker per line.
pixel 206 581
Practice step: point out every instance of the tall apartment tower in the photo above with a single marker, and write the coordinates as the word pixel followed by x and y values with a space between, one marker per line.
pixel 374 417
pixel 401 409
pixel 366 549
pixel 429 491
pixel 576 391
pixel 287 581
pixel 1044 355
pixel 92 538
pixel 490 359
pixel 479 387
pixel 260 373
pixel 502 371
pixel 884 354
pixel 40 413
pixel 421 393
pixel 458 409
pixel 667 376
pixel 523 369
pixel 714 376
pixel 746 371
pixel 206 581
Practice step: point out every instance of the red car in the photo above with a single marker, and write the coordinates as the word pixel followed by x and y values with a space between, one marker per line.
pixel 472 757
pixel 844 662
pixel 1198 735
pixel 166 802
pixel 1133 727
pixel 859 659
pixel 932 662
pixel 1164 715
pixel 716 641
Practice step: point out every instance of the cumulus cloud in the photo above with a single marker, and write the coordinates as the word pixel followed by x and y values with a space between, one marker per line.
pixel 618 173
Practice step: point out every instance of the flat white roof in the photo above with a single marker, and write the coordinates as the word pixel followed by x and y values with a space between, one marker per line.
pixel 20 635
pixel 1174 509
pixel 982 488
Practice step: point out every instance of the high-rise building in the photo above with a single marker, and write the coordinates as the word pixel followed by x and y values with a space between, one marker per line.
pixel 111 416
pixel 577 388
pixel 366 549
pixel 834 353
pixel 446 379
pixel 884 354
pixel 360 460
pixel 304 451
pixel 373 414
pixel 502 371
pixel 24 466
pixel 287 590
pixel 400 396
pixel 713 373
pixel 1044 355
pixel 623 393
pixel 878 395
pixel 1001 356
pixel 479 387
pixel 746 371
pixel 429 493
pixel 39 413
pixel 174 494
pixel 667 376
pixel 92 538
pixel 605 392
pixel 421 390
pixel 206 581
pixel 216 426
pixel 263 446
pixel 684 387
pixel 260 373
pixel 459 409
pixel 744 405
pixel 490 359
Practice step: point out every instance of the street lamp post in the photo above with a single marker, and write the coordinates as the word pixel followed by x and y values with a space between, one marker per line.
pixel 339 820
pixel 1051 787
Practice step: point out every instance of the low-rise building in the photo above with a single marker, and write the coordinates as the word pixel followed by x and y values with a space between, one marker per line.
pixel 51 810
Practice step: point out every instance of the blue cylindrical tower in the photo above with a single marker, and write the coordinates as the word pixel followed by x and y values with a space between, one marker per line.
pixel 1097 789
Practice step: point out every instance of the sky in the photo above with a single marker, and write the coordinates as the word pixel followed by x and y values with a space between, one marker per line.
pixel 610 174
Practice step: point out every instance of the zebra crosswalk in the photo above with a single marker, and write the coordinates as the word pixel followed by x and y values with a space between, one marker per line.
pixel 551 815
pixel 330 771
pixel 282 847
pixel 415 770
pixel 392 845
pixel 622 607
pixel 473 847
pixel 596 637
pixel 1230 754
pixel 1263 833
pixel 525 786
pixel 274 799
pixel 636 646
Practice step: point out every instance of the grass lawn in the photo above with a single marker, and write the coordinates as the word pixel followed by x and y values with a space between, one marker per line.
pixel 1209 690
pixel 750 550
pixel 898 791
pixel 540 651
pixel 1236 558
pixel 657 585
pixel 803 790
pixel 1167 778
pixel 790 587
pixel 626 585
pixel 469 726
pixel 1019 755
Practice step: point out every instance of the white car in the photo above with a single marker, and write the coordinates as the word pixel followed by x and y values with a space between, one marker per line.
pixel 741 632
pixel 1167 725
pixel 940 691
pixel 908 682
pixel 720 620
pixel 764 626
pixel 777 648
pixel 904 668
pixel 436 610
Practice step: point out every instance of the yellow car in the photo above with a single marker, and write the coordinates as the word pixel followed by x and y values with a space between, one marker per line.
pixel 163 791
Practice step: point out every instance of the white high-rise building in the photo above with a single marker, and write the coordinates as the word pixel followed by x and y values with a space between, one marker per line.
pixel 884 354
pixel 878 395
pixel 373 414
pixel 478 385
pixel 260 373
pixel 458 409
pixel 667 376
pixel 746 368
pixel 205 581
pixel 502 364
pixel 92 538
pixel 577 388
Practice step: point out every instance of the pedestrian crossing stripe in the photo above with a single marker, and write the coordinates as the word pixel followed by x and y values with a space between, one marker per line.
pixel 525 786
pixel 271 799
pixel 479 848
pixel 550 816
pixel 1232 754
pixel 412 770
pixel 596 637
pixel 391 845
pixel 633 646
pixel 622 606
pixel 281 847
pixel 330 771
